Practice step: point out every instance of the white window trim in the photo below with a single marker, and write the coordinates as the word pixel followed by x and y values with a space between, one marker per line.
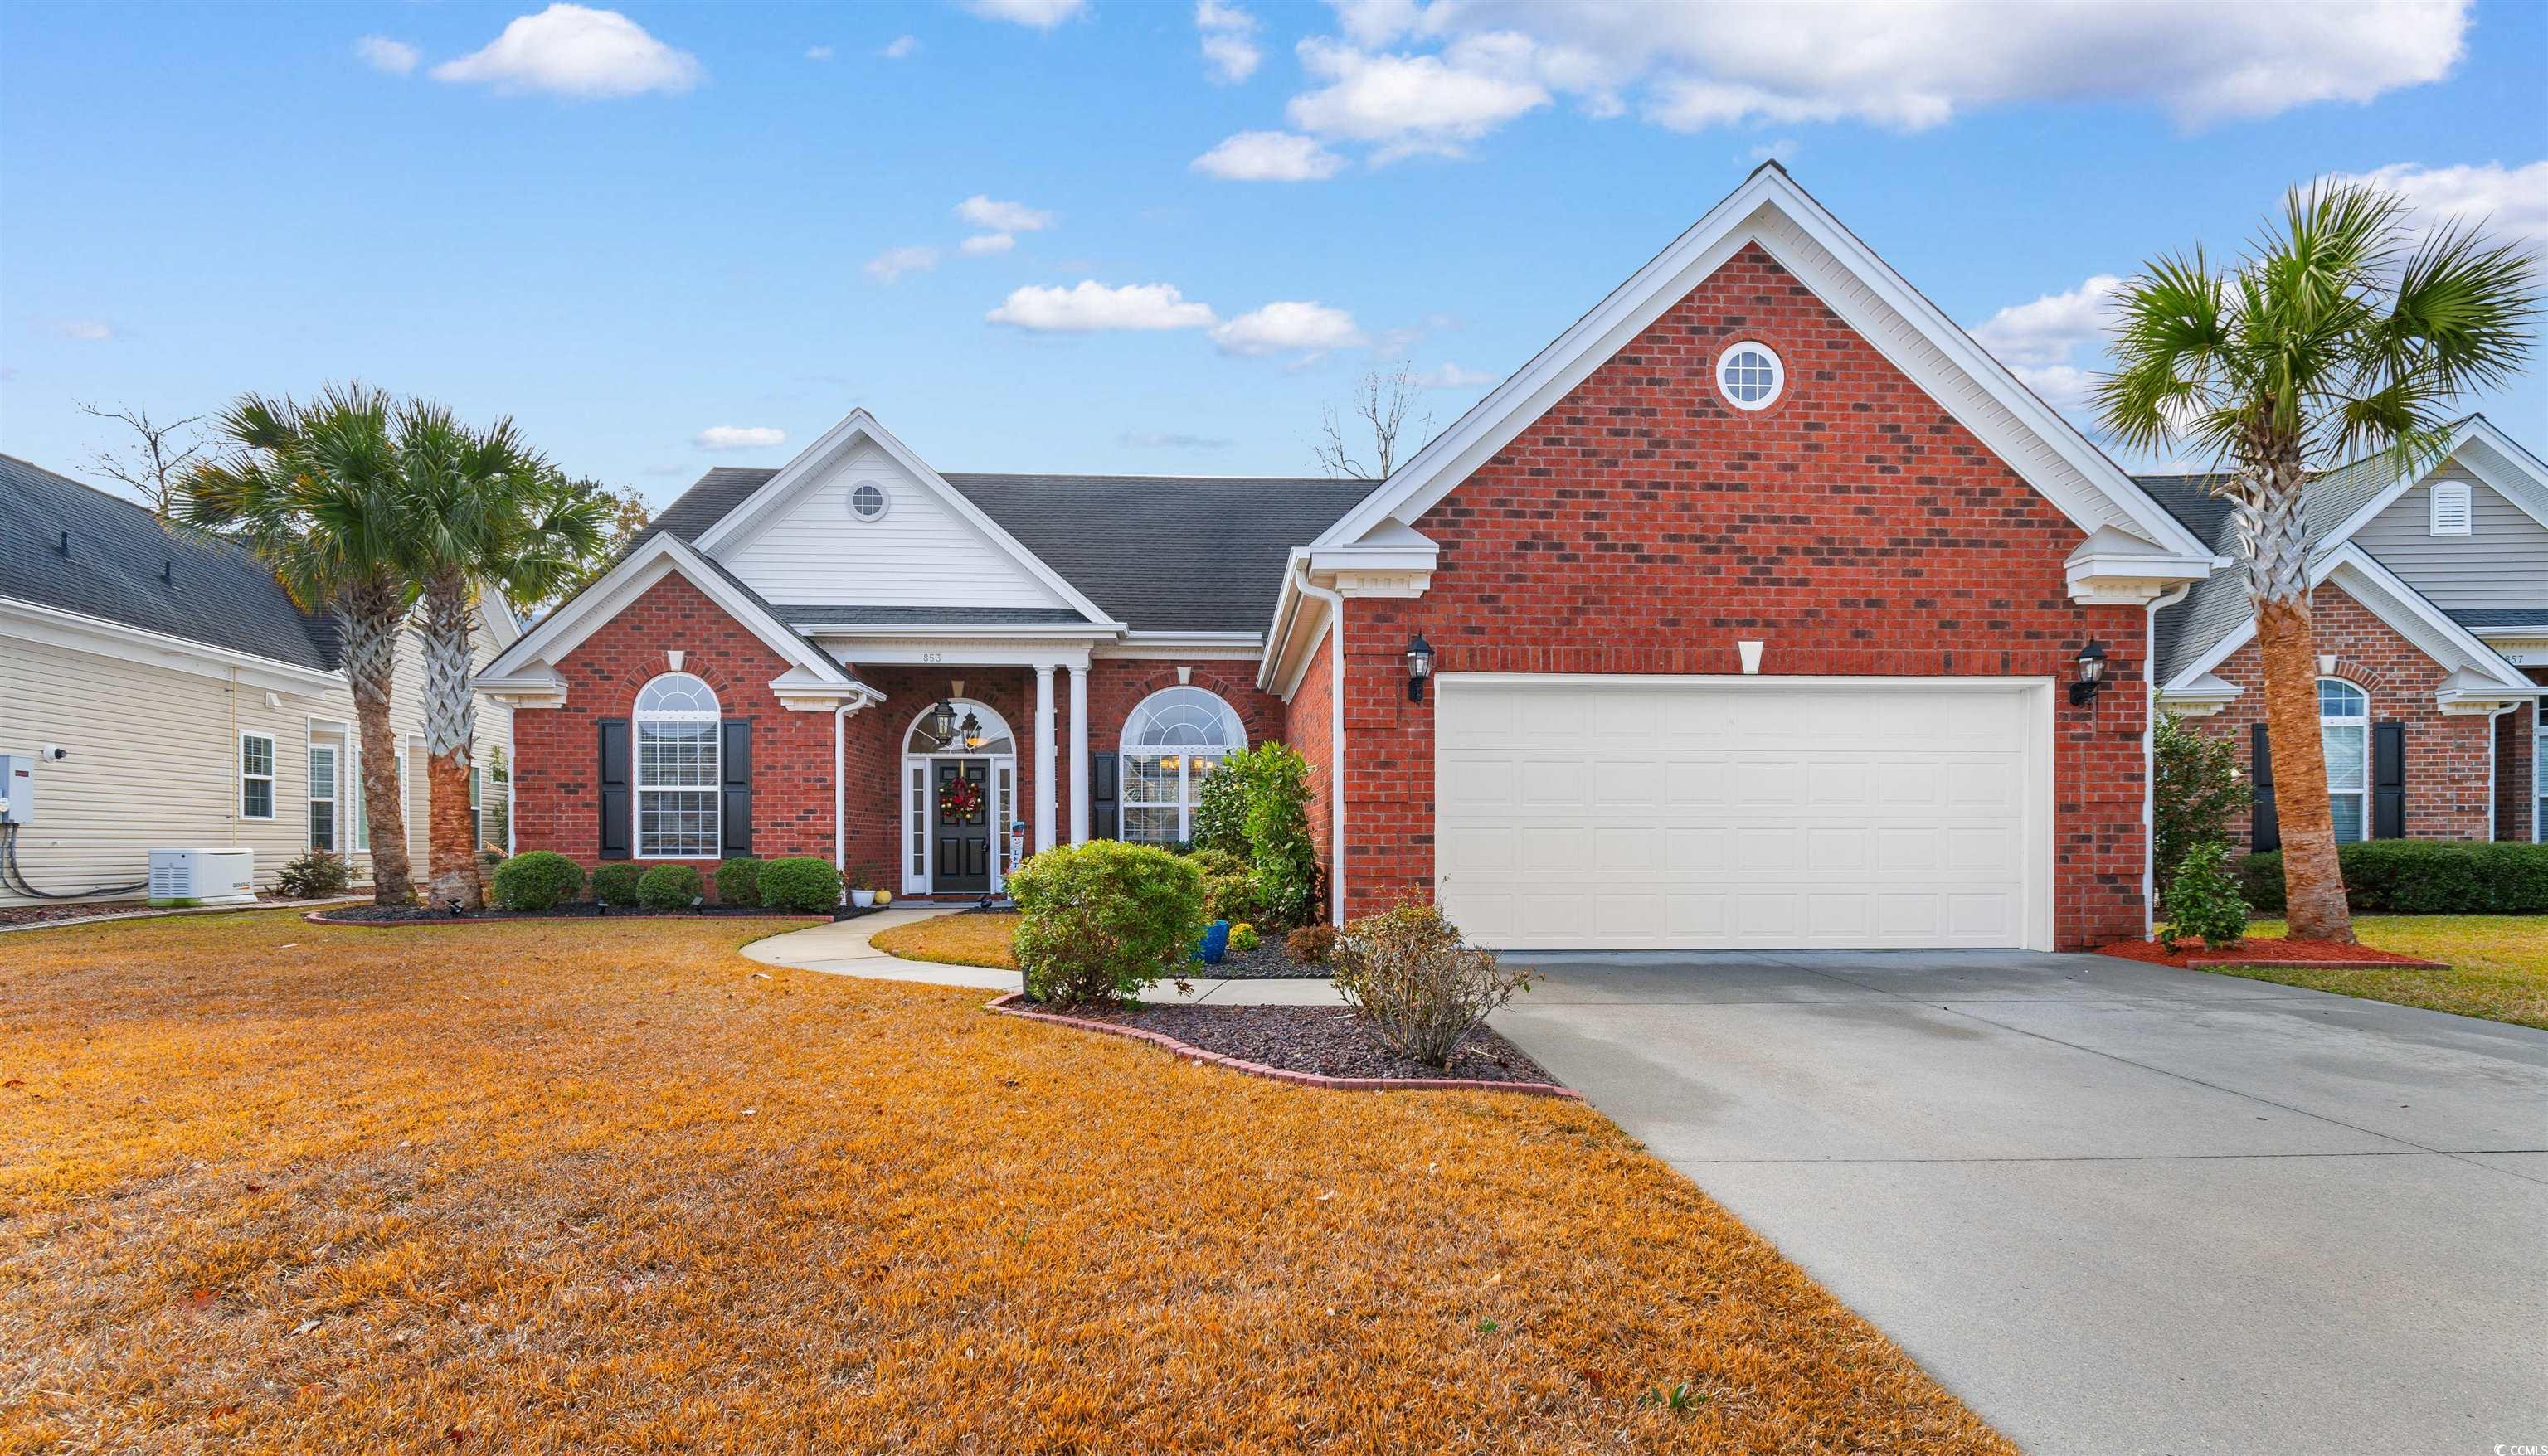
pixel 884 501
pixel 2364 723
pixel 273 761
pixel 1778 374
pixel 1189 786
pixel 638 789
pixel 334 797
pixel 2457 492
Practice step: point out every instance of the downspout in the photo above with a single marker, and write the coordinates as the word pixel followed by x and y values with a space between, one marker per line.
pixel 839 791
pixel 2495 765
pixel 1335 739
pixel 2150 754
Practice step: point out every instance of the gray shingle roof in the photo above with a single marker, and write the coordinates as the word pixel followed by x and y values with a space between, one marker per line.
pixel 1160 553
pixel 2500 616
pixel 215 592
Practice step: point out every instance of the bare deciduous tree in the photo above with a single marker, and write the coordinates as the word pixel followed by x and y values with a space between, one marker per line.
pixel 1380 403
pixel 153 465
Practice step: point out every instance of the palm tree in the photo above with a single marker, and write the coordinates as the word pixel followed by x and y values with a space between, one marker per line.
pixel 311 490
pixel 2337 334
pixel 485 513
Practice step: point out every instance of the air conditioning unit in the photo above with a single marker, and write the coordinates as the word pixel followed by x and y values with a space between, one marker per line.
pixel 202 876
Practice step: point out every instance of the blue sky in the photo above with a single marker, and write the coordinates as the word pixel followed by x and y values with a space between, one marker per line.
pixel 667 236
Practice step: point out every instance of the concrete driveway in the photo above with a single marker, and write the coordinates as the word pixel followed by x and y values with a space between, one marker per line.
pixel 2116 1207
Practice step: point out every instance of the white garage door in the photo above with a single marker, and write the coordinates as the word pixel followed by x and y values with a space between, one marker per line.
pixel 1676 813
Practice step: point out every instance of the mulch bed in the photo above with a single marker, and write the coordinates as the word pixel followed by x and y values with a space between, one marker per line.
pixel 421 914
pixel 1318 1043
pixel 2272 954
pixel 1266 963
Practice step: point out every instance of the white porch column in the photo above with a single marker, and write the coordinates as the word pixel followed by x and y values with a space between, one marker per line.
pixel 1079 754
pixel 1044 766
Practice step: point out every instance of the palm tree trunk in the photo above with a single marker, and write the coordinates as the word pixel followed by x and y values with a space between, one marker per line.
pixel 2278 589
pixel 368 622
pixel 450 722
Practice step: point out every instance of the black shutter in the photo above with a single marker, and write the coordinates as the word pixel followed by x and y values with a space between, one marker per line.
pixel 2266 830
pixel 2387 781
pixel 734 788
pixel 1102 816
pixel 615 842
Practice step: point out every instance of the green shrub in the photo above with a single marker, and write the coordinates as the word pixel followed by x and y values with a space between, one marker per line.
pixel 1283 860
pixel 668 887
pixel 1311 945
pixel 2205 901
pixel 315 877
pixel 738 881
pixel 1105 920
pixel 801 885
pixel 2198 788
pixel 1415 986
pixel 1221 815
pixel 1229 885
pixel 541 879
pixel 2420 876
pixel 1243 937
pixel 616 884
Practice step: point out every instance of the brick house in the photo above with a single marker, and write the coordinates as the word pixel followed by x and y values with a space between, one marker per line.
pixel 1750 613
pixel 2429 604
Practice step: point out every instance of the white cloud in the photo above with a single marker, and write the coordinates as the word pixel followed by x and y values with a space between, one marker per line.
pixel 1452 377
pixel 88 331
pixel 1002 216
pixel 382 53
pixel 739 437
pixel 818 53
pixel 575 50
pixel 1156 440
pixel 2038 340
pixel 1406 104
pixel 987 244
pixel 1229 40
pixel 900 47
pixel 1287 327
pixel 1269 157
pixel 893 262
pixel 1092 306
pixel 1435 77
pixel 1785 150
pixel 1044 15
pixel 2512 201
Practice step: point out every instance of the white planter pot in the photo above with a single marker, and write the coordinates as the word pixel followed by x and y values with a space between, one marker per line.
pixel 861 899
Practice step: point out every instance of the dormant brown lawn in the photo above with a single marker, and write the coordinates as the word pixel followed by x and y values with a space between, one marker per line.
pixel 954 940
pixel 568 1186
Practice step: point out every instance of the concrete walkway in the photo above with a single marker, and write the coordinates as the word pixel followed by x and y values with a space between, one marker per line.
pixel 2116 1207
pixel 842 948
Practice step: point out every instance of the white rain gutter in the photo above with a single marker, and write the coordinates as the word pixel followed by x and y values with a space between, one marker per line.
pixel 2149 753
pixel 1335 739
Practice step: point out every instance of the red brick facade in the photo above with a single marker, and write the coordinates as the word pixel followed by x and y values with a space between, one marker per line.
pixel 1642 526
pixel 2516 770
pixel 2448 755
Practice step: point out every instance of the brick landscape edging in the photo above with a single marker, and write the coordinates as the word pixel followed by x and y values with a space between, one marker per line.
pixel 2215 963
pixel 1015 1004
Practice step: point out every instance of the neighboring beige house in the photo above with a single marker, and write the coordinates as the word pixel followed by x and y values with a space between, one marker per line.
pixel 195 707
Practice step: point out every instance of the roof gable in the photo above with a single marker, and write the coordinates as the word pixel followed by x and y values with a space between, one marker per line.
pixel 1770 211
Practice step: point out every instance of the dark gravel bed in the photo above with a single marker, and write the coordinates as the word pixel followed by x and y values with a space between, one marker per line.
pixel 1317 1038
pixel 1266 963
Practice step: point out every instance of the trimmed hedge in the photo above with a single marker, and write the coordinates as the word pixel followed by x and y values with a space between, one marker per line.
pixel 738 881
pixel 1104 921
pixel 541 879
pixel 802 884
pixel 2417 877
pixel 668 887
pixel 616 884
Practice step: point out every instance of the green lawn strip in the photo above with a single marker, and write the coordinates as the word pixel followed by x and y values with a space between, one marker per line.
pixel 2498 965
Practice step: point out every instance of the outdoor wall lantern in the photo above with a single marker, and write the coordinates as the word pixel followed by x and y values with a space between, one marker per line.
pixel 972 731
pixel 2092 674
pixel 942 721
pixel 1419 665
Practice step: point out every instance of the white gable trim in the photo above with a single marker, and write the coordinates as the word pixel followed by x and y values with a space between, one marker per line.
pixel 740 524
pixel 663 555
pixel 2503 465
pixel 1770 208
pixel 2383 595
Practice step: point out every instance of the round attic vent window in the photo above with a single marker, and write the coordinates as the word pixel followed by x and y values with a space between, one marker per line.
pixel 1751 375
pixel 867 500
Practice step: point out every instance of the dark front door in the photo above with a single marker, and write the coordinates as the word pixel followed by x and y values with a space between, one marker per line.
pixel 963 824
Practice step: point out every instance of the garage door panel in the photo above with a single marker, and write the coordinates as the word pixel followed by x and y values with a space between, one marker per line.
pixel 1664 813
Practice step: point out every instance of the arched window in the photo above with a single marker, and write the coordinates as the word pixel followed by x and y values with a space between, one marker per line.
pixel 2345 729
pixel 971 728
pixel 677 769
pixel 1176 737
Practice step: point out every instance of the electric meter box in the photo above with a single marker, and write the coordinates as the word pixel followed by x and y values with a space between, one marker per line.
pixel 17 788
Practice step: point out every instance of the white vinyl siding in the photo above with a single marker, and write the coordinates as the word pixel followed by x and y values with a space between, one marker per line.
pixel 919 553
pixel 2502 561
